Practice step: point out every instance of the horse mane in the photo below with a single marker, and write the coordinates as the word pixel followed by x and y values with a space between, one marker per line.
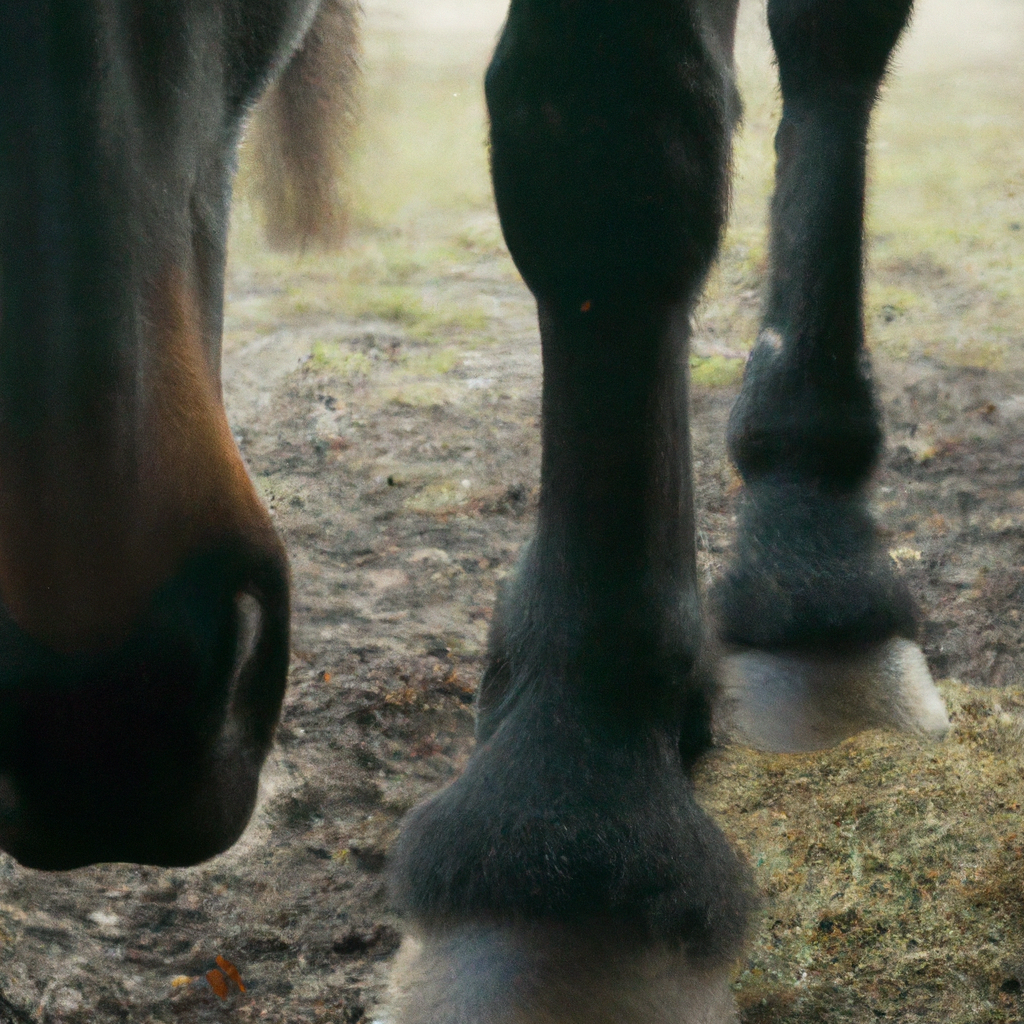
pixel 302 130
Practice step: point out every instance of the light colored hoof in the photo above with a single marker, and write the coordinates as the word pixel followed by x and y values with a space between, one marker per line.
pixel 790 702
pixel 551 974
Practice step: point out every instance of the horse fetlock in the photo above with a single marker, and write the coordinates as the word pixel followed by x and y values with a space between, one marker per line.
pixel 810 573
pixel 798 414
pixel 557 820
pixel 625 643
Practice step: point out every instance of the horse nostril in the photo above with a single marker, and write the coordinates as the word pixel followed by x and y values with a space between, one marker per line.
pixel 258 665
pixel 248 630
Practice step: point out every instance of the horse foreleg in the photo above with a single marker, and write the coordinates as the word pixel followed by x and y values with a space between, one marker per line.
pixel 821 624
pixel 569 876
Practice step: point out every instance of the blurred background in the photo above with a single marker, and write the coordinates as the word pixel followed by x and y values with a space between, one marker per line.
pixel 946 183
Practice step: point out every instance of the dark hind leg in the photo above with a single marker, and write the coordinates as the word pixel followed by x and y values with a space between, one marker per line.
pixel 822 625
pixel 569 877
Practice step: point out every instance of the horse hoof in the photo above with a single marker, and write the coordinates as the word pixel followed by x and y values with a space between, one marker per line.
pixel 551 973
pixel 797 701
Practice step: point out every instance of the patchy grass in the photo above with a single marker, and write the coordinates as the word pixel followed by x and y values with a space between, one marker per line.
pixel 447 324
pixel 407 306
pixel 945 213
pixel 947 192
pixel 880 900
pixel 945 204
pixel 340 360
pixel 416 395
pixel 423 151
pixel 432 363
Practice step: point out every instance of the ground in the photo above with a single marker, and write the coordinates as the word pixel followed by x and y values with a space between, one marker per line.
pixel 386 399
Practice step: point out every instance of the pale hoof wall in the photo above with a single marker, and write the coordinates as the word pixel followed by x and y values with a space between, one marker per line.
pixel 791 702
pixel 551 974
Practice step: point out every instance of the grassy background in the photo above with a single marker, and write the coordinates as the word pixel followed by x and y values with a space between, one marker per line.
pixel 946 200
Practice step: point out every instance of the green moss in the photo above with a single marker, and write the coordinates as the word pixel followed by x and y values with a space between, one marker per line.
pixel 279 490
pixel 404 305
pixel 333 357
pixel 979 353
pixel 418 396
pixel 449 321
pixel 715 371
pixel 433 362
pixel 889 301
pixel 482 237
pixel 397 303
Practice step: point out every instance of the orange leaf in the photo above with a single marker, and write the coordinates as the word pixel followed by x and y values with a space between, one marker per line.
pixel 231 971
pixel 217 983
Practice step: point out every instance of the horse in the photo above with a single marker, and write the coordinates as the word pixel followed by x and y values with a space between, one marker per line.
pixel 569 874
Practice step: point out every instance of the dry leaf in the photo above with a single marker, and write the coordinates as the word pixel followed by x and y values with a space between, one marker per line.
pixel 231 971
pixel 217 982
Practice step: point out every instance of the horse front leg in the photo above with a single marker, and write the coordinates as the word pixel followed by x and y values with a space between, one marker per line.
pixel 569 876
pixel 821 625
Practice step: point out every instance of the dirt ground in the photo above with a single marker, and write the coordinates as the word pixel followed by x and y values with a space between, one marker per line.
pixel 387 402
